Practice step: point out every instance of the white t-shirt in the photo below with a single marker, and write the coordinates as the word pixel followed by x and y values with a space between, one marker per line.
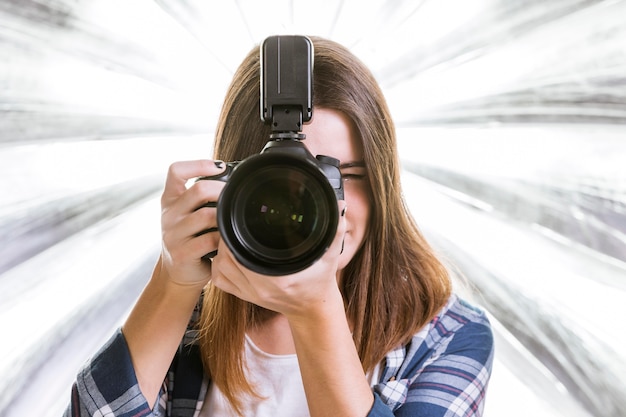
pixel 276 378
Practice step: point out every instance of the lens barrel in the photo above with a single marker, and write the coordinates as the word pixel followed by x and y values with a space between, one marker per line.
pixel 277 213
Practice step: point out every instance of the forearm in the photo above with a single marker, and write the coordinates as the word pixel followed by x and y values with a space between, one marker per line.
pixel 332 373
pixel 155 328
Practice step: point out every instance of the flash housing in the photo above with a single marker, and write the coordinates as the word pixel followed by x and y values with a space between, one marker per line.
pixel 286 82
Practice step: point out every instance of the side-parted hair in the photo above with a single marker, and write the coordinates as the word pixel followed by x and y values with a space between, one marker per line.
pixel 394 284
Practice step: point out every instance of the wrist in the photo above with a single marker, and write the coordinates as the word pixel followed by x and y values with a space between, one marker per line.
pixel 170 284
pixel 326 352
pixel 164 303
pixel 324 312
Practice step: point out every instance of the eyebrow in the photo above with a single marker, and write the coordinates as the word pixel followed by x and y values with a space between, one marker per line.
pixel 358 164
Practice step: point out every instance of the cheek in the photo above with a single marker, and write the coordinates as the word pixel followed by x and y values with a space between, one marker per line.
pixel 358 214
pixel 358 200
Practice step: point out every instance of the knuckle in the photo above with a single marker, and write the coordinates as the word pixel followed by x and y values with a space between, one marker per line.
pixel 174 169
pixel 208 214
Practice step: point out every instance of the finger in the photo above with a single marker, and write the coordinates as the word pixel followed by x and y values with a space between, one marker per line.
pixel 220 281
pixel 188 228
pixel 226 275
pixel 189 211
pixel 201 194
pixel 205 246
pixel 192 250
pixel 181 172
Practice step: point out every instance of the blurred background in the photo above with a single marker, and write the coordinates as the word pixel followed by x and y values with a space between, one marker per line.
pixel 512 125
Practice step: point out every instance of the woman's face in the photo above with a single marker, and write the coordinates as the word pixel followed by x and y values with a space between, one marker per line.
pixel 331 133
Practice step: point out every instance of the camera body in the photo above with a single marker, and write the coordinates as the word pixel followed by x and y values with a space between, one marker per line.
pixel 328 165
pixel 278 210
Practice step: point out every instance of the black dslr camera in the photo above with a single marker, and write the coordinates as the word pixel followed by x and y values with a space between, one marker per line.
pixel 278 210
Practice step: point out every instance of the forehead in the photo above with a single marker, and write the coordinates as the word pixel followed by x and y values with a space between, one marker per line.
pixel 332 133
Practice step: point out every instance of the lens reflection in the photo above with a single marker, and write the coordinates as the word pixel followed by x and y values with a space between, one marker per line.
pixel 284 213
pixel 280 218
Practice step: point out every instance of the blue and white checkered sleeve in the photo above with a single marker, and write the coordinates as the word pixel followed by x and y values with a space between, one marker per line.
pixel 445 369
pixel 454 383
pixel 107 385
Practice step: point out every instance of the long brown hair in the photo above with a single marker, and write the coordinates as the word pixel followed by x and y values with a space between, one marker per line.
pixel 394 284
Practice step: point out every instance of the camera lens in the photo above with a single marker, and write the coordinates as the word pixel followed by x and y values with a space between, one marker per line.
pixel 283 212
pixel 278 214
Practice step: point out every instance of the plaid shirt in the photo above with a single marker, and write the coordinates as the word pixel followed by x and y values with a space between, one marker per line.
pixel 443 371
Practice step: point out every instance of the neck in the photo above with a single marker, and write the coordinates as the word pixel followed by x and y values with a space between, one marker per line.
pixel 273 336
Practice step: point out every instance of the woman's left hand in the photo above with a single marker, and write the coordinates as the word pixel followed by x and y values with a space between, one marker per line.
pixel 313 305
pixel 292 295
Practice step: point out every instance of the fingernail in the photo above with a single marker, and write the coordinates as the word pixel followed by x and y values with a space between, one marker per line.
pixel 219 164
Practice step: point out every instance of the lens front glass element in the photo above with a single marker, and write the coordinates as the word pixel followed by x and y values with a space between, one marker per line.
pixel 284 213
pixel 278 212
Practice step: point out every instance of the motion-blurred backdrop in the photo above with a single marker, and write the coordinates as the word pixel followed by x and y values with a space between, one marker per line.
pixel 512 123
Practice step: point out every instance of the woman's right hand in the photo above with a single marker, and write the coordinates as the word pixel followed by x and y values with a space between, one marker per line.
pixel 189 228
pixel 167 302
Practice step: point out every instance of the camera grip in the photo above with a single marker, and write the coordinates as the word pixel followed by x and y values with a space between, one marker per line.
pixel 224 176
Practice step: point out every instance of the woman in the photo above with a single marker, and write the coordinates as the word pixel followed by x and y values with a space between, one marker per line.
pixel 372 328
